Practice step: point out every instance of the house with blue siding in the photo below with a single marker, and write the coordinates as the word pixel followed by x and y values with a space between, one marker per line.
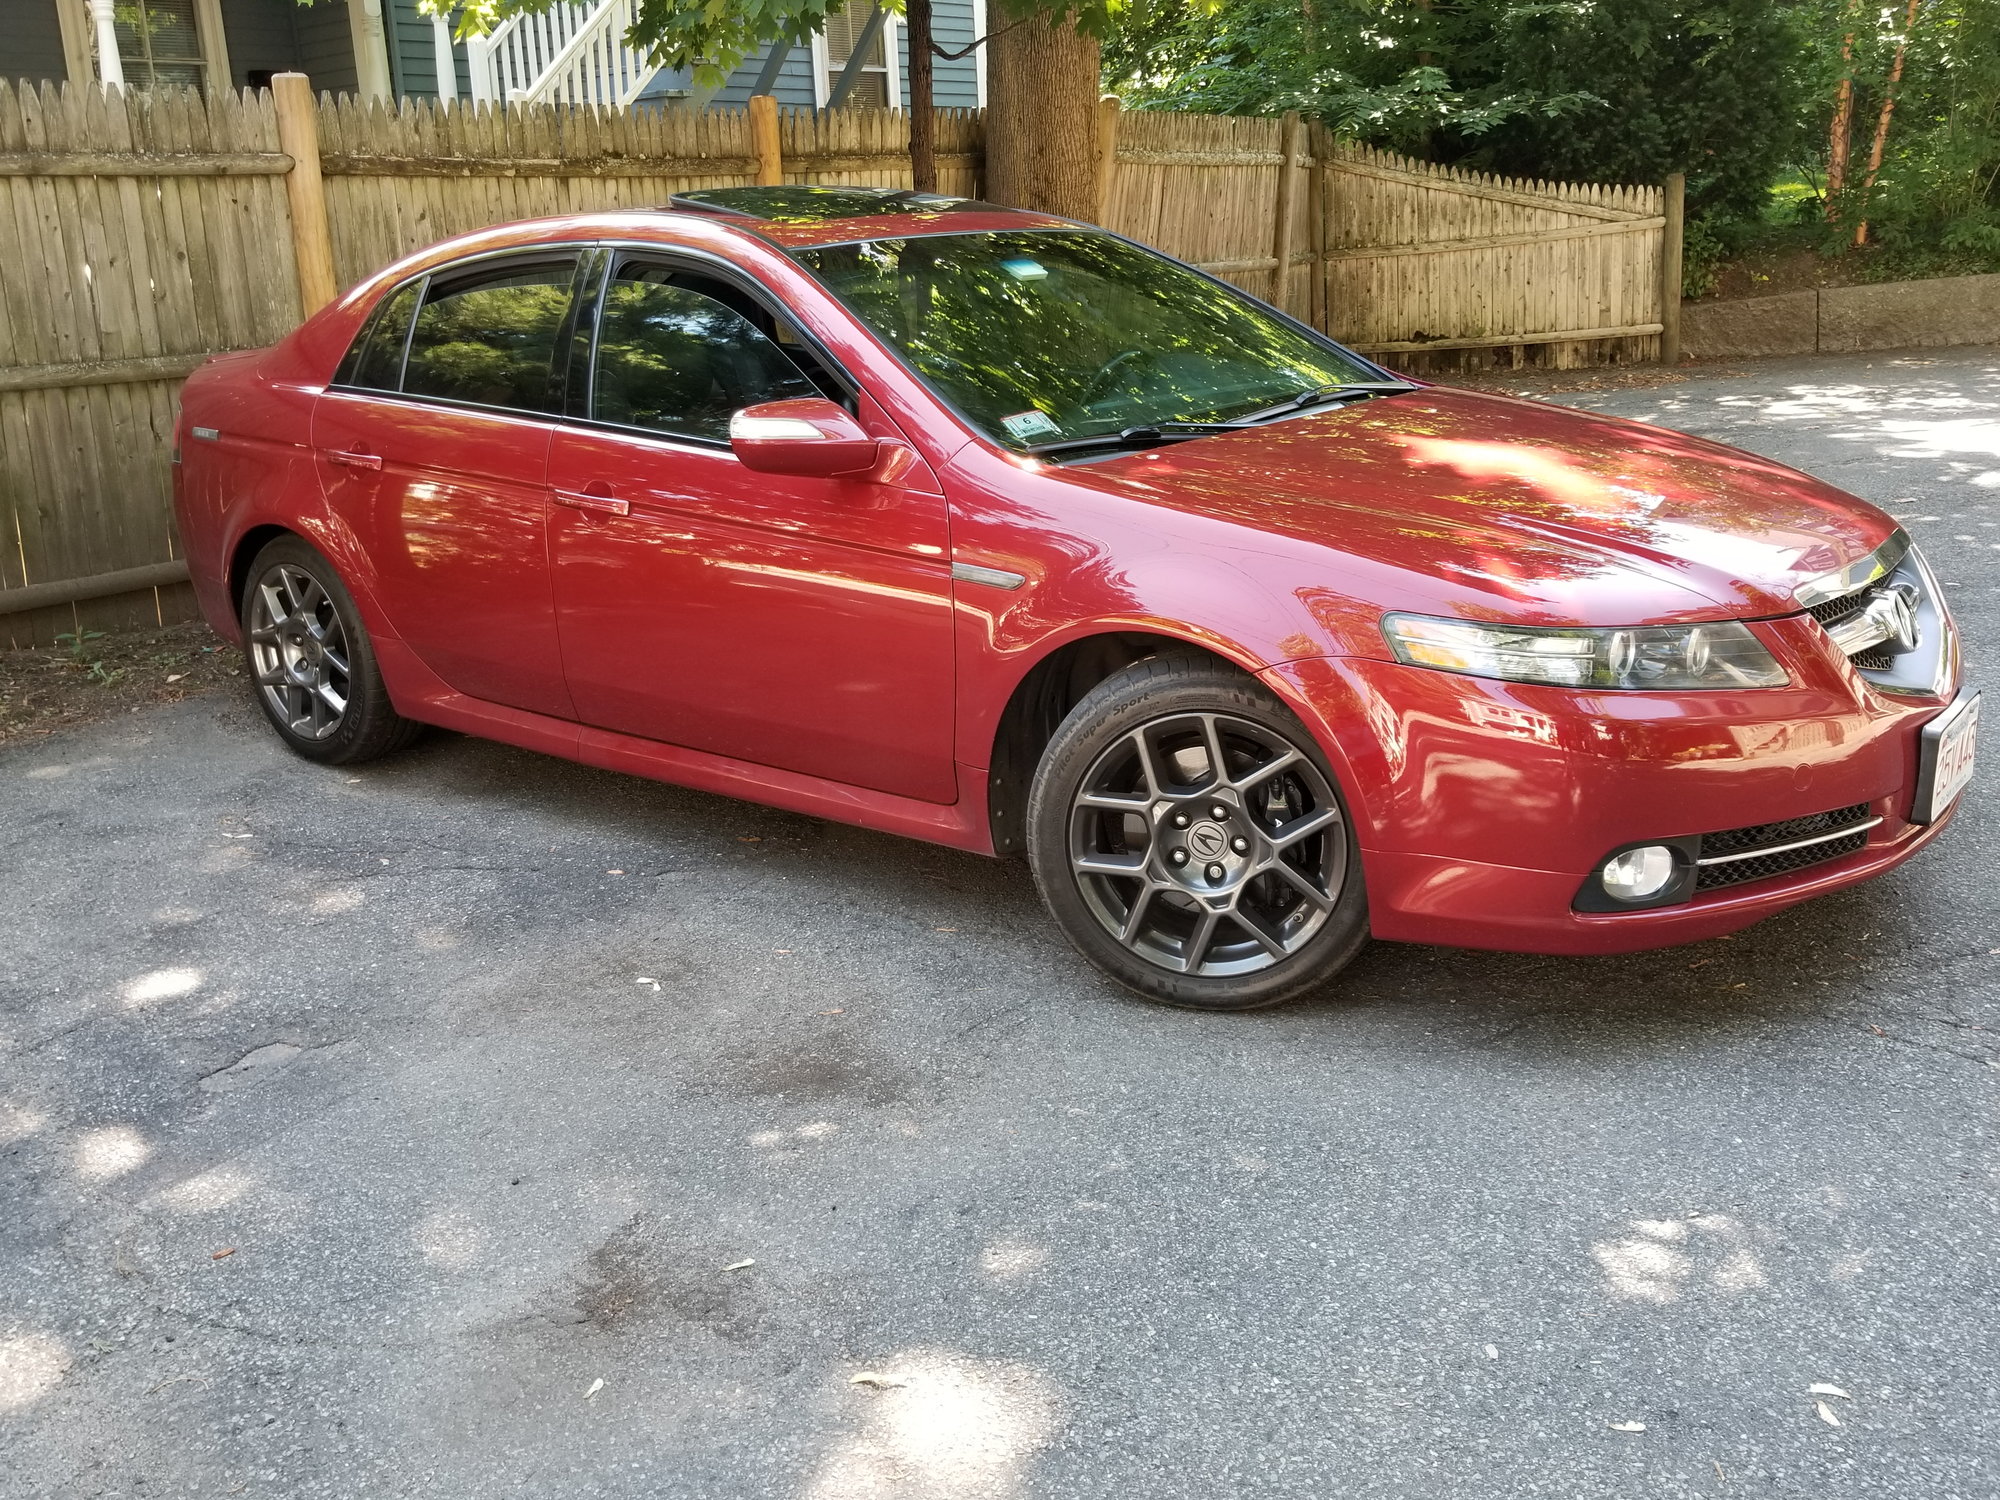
pixel 388 49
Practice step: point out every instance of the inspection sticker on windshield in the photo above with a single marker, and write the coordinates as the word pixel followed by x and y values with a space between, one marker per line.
pixel 1021 268
pixel 1027 424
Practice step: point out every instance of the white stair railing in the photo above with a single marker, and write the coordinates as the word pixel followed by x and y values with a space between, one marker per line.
pixel 571 53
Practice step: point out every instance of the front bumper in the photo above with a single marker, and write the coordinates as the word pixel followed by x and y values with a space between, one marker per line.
pixel 1482 806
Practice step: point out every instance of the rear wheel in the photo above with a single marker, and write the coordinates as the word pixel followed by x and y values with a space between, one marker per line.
pixel 311 662
pixel 1189 838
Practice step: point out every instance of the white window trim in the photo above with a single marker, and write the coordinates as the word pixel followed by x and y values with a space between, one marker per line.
pixel 979 53
pixel 79 39
pixel 892 54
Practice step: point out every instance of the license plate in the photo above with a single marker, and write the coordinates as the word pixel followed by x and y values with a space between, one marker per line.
pixel 1945 764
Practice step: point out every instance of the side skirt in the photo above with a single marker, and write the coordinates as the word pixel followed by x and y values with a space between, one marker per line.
pixel 421 694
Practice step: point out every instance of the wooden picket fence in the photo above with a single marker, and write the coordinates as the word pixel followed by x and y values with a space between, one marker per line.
pixel 1428 267
pixel 398 181
pixel 142 233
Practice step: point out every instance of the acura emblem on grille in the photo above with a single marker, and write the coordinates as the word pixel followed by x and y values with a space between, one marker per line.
pixel 1898 605
pixel 1888 620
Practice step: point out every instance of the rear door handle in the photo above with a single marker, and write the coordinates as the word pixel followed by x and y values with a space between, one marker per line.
pixel 356 460
pixel 602 504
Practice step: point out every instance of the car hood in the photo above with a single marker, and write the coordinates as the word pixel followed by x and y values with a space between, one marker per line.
pixel 1491 507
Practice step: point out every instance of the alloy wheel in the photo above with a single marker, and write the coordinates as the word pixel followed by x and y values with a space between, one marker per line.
pixel 1208 844
pixel 299 652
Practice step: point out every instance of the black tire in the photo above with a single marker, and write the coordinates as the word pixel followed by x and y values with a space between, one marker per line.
pixel 317 654
pixel 1135 864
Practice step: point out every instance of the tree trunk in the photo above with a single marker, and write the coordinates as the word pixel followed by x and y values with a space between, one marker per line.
pixel 1882 123
pixel 1041 118
pixel 923 105
pixel 1843 123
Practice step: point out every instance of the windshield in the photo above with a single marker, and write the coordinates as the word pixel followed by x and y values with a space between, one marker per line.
pixel 1041 336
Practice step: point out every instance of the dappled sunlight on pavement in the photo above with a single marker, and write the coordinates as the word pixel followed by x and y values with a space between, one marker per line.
pixel 939 1425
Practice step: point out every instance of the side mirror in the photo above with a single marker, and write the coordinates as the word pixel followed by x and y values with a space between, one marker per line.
pixel 810 436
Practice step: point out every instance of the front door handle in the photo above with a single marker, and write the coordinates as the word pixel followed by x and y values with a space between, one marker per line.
pixel 602 504
pixel 353 460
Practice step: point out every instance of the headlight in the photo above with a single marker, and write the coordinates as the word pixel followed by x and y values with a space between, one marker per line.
pixel 1663 658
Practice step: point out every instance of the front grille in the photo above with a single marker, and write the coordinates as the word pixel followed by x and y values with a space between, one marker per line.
pixel 1764 866
pixel 1873 660
pixel 1775 836
pixel 1834 611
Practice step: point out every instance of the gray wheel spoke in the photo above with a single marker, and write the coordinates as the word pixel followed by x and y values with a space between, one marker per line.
pixel 1132 802
pixel 1196 948
pixel 1135 915
pixel 334 701
pixel 1111 864
pixel 1303 827
pixel 1149 765
pixel 1253 924
pixel 1211 741
pixel 1266 771
pixel 1299 881
pixel 336 660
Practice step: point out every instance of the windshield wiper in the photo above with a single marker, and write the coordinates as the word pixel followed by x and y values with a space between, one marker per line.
pixel 1332 391
pixel 1134 437
pixel 1179 432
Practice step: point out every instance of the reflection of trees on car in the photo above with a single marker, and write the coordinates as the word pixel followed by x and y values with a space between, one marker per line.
pixel 670 358
pixel 1094 333
pixel 492 344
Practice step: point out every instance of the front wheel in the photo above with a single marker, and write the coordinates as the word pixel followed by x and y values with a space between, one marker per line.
pixel 1188 837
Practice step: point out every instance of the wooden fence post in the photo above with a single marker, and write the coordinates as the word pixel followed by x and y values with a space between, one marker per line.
pixel 1670 268
pixel 764 141
pixel 1319 184
pixel 312 240
pixel 1286 228
pixel 1107 154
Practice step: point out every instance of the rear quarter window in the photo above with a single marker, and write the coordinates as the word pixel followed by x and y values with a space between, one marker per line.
pixel 375 360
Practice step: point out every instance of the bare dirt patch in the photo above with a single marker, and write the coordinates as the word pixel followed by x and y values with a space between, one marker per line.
pixel 43 689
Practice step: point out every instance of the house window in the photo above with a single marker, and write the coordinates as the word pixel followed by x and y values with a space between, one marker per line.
pixel 875 84
pixel 161 43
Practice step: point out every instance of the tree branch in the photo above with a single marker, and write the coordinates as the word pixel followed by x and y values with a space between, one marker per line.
pixel 953 55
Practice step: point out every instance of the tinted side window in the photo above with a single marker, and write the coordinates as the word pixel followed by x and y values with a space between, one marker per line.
pixel 490 338
pixel 676 360
pixel 376 360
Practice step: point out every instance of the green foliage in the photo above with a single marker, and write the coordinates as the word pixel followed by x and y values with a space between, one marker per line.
pixel 1936 199
pixel 1703 252
pixel 1566 89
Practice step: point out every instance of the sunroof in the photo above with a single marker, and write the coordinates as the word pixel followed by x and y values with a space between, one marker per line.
pixel 811 205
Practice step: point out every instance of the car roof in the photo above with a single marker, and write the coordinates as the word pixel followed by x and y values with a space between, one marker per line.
pixel 801 216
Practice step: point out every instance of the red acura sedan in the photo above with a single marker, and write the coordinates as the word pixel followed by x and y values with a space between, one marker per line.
pixel 1006 532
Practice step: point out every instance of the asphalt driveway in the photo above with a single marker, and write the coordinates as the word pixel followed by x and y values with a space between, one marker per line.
pixel 475 1124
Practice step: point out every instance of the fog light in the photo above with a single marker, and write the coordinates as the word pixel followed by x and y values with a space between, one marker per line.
pixel 1638 873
